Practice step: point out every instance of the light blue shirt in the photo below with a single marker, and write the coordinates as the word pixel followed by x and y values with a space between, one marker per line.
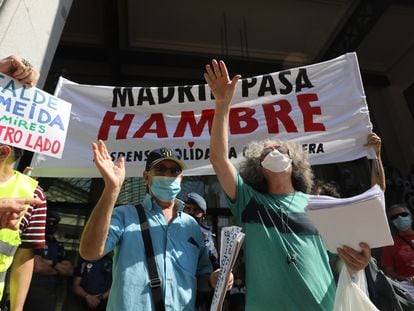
pixel 180 255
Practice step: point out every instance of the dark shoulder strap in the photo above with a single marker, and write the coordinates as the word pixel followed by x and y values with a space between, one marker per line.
pixel 155 282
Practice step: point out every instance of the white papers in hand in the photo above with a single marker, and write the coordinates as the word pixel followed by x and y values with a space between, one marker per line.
pixel 231 241
pixel 349 221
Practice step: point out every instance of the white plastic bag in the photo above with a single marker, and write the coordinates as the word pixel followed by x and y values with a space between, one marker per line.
pixel 350 295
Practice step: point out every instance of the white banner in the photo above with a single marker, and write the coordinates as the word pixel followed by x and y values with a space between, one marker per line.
pixel 321 106
pixel 32 119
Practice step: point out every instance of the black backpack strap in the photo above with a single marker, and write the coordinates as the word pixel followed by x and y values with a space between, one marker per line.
pixel 371 272
pixel 155 281
pixel 382 289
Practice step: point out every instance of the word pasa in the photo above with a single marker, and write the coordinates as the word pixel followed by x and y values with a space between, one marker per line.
pixel 242 120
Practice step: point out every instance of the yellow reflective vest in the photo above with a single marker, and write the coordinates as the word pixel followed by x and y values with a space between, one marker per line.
pixel 22 186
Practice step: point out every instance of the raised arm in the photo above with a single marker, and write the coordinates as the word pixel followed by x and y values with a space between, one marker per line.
pixel 377 169
pixel 222 88
pixel 92 245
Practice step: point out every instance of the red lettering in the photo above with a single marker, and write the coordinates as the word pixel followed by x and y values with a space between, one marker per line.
pixel 39 144
pixel 188 118
pixel 160 127
pixel 55 147
pixel 308 112
pixel 28 139
pixel 282 114
pixel 12 135
pixel 242 116
pixel 109 120
pixel 43 144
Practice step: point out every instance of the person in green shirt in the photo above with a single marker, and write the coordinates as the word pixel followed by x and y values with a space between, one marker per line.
pixel 286 261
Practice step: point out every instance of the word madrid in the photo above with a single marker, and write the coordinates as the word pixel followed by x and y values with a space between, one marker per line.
pixel 284 82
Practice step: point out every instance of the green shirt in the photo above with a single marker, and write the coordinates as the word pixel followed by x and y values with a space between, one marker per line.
pixel 277 228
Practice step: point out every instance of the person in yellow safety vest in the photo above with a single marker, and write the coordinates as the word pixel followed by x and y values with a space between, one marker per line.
pixel 13 183
pixel 16 245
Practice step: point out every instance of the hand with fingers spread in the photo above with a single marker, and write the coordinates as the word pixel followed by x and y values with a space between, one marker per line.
pixel 353 259
pixel 19 69
pixel 11 209
pixel 113 174
pixel 219 82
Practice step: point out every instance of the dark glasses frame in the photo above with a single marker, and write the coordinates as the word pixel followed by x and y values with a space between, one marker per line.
pixel 402 214
pixel 162 169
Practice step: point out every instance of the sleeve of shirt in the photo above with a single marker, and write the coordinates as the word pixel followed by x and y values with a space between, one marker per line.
pixel 243 195
pixel 78 270
pixel 61 252
pixel 204 265
pixel 116 228
pixel 32 226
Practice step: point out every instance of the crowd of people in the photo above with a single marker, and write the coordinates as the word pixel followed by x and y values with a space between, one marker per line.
pixel 159 255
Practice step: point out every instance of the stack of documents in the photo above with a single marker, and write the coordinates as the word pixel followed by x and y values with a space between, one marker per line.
pixel 349 221
pixel 231 241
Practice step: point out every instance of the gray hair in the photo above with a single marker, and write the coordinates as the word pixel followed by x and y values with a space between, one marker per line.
pixel 251 171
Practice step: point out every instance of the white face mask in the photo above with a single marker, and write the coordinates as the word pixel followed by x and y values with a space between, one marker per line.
pixel 276 162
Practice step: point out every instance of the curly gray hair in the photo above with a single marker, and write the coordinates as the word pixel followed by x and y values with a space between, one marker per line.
pixel 251 171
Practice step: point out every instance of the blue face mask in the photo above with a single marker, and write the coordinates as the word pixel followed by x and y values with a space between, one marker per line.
pixel 165 188
pixel 402 223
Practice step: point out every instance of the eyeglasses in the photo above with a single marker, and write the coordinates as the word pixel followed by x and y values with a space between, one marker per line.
pixel 162 169
pixel 402 214
pixel 189 208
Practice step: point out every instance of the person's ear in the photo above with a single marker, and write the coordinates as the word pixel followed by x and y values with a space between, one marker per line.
pixel 146 177
pixel 5 151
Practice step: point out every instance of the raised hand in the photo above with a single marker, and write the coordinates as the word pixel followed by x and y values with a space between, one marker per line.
pixel 112 173
pixel 19 69
pixel 219 82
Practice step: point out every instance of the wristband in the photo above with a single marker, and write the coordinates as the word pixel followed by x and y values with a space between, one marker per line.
pixel 86 296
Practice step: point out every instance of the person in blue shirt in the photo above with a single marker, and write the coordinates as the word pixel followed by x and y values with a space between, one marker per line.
pixel 181 256
pixel 196 206
pixel 92 283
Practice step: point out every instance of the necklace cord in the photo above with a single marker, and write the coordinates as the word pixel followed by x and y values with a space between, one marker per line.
pixel 291 255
